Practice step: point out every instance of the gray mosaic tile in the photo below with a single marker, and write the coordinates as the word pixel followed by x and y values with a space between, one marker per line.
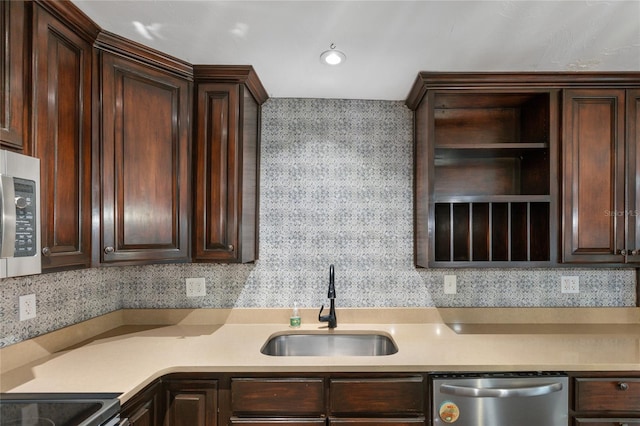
pixel 336 187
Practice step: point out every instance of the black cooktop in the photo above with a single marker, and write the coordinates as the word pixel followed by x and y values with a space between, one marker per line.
pixel 57 409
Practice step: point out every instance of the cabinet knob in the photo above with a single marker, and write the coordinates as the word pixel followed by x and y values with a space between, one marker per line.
pixel 635 252
pixel 46 251
pixel 622 252
pixel 623 386
pixel 108 250
pixel 230 247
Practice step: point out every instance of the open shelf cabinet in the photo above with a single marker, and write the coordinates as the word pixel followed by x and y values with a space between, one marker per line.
pixel 486 166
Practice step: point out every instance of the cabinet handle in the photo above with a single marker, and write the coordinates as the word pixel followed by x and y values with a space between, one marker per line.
pixel 108 250
pixel 46 251
pixel 623 386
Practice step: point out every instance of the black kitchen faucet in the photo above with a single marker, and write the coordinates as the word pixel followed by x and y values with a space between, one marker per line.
pixel 331 318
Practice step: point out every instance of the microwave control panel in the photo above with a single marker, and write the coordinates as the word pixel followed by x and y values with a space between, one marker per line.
pixel 25 191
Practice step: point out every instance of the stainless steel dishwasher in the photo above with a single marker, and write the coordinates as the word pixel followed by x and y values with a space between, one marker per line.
pixel 501 399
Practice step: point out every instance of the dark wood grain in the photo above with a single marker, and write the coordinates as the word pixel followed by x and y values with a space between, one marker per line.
pixel 593 175
pixel 286 396
pixel 62 140
pixel 145 154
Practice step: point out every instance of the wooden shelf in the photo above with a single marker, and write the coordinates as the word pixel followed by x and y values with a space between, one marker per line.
pixel 455 198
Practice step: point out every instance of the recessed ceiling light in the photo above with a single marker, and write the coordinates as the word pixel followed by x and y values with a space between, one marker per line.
pixel 332 56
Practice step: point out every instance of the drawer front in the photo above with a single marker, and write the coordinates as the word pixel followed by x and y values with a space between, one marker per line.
pixel 606 422
pixel 377 396
pixel 277 422
pixel 607 394
pixel 416 421
pixel 287 397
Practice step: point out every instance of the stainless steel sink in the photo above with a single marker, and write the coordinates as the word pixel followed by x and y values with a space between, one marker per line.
pixel 330 344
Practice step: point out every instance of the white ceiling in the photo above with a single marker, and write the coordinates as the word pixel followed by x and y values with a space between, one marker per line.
pixel 386 42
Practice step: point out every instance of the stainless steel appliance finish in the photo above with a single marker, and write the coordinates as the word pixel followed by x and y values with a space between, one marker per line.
pixel 501 399
pixel 59 409
pixel 330 344
pixel 19 215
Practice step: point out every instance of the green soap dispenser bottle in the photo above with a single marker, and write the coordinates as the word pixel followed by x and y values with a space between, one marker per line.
pixel 294 320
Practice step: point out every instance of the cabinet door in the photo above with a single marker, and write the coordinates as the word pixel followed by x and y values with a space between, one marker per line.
pixel 62 140
pixel 191 403
pixel 226 173
pixel 633 175
pixel 144 159
pixel 144 408
pixel 144 416
pixel 593 176
pixel 13 64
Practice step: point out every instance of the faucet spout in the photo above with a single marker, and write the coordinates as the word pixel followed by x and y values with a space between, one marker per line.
pixel 332 285
pixel 331 319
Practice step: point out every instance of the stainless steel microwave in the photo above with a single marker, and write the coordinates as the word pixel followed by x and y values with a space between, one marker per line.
pixel 19 215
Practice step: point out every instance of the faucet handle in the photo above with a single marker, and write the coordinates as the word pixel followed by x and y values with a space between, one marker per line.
pixel 320 313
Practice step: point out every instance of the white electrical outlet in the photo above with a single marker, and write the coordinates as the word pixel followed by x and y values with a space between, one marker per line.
pixel 196 287
pixel 570 284
pixel 450 284
pixel 27 307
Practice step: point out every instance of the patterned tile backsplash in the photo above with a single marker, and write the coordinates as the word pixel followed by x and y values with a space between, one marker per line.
pixel 336 188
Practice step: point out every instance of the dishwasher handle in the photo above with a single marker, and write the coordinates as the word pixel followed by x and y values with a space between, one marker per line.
pixel 505 392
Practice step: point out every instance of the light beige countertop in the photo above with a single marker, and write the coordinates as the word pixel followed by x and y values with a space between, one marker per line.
pixel 125 350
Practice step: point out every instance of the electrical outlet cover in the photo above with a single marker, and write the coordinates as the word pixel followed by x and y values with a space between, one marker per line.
pixel 570 284
pixel 196 287
pixel 27 307
pixel 450 284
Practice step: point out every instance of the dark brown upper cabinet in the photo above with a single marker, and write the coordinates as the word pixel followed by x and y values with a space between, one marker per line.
pixel 226 163
pixel 14 74
pixel 62 77
pixel 485 170
pixel 601 179
pixel 142 155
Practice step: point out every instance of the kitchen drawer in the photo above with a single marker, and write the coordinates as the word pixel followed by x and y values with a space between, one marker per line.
pixel 235 421
pixel 606 422
pixel 287 396
pixel 416 421
pixel 401 395
pixel 607 394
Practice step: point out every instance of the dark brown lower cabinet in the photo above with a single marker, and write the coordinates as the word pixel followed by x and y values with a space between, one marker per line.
pixel 329 399
pixel 605 398
pixel 314 399
pixel 191 402
pixel 145 407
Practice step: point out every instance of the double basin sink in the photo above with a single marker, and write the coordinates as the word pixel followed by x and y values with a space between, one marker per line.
pixel 330 344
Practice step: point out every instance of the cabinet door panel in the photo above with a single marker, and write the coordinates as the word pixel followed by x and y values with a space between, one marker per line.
pixel 145 166
pixel 13 63
pixel 217 172
pixel 144 408
pixel 143 417
pixel 593 175
pixel 62 140
pixel 633 174
pixel 191 403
